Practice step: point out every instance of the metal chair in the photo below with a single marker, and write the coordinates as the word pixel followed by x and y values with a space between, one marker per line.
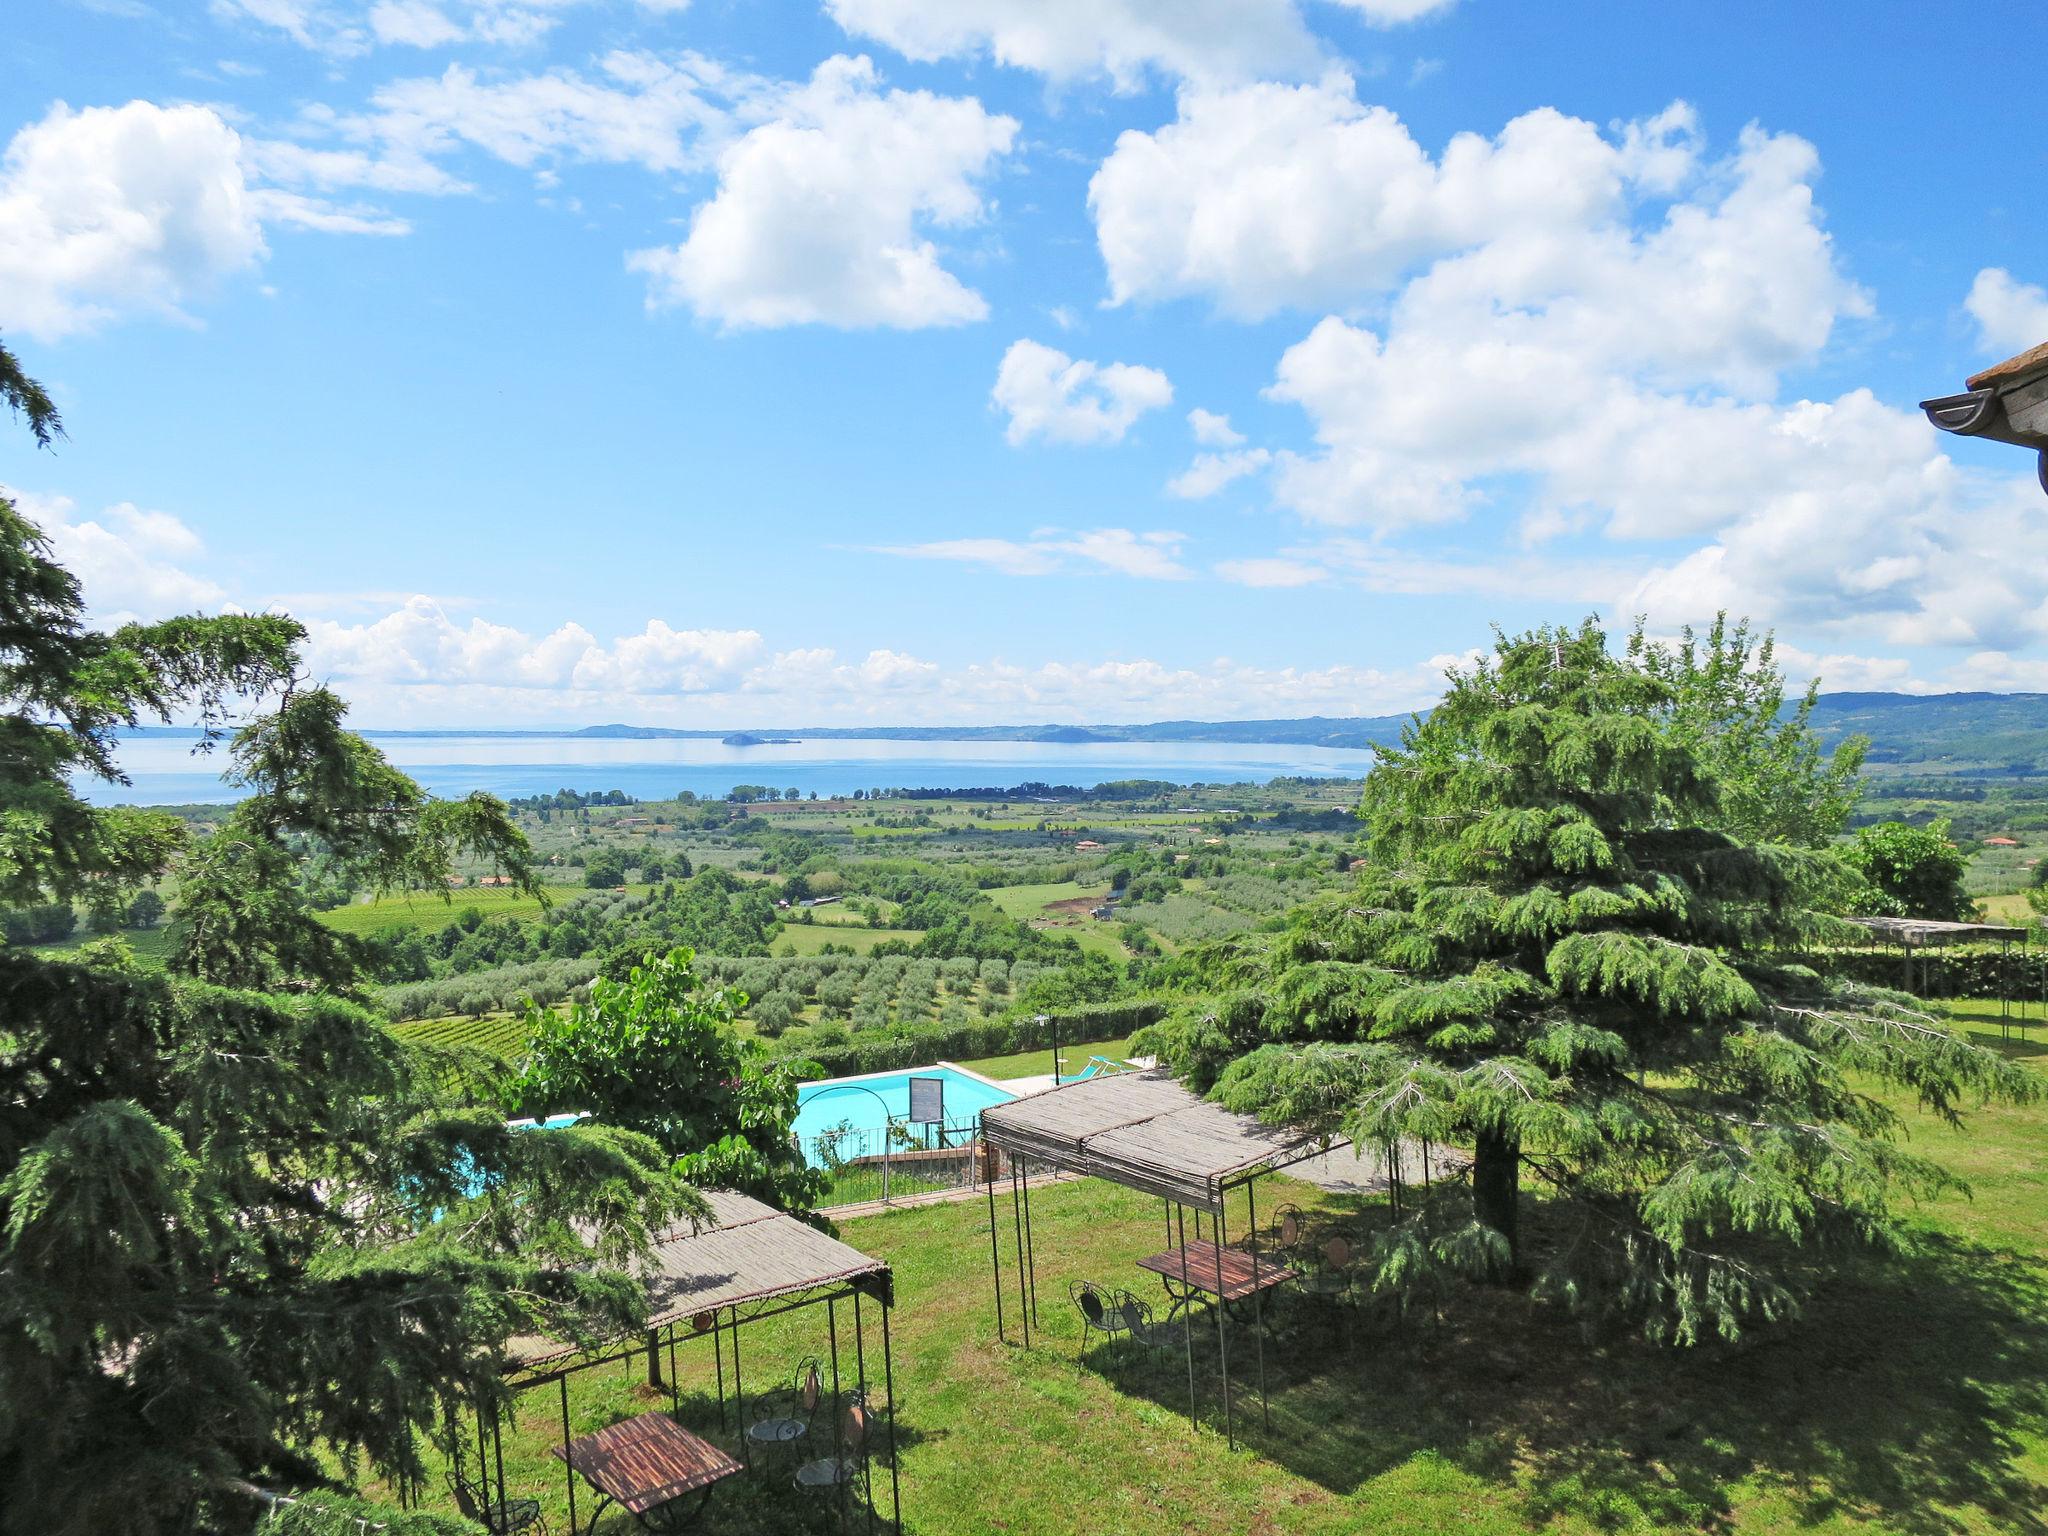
pixel 1139 1324
pixel 1331 1276
pixel 503 1517
pixel 844 1467
pixel 1100 1311
pixel 1290 1233
pixel 783 1417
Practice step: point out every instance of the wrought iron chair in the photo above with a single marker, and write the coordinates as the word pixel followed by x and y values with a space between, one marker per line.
pixel 1331 1276
pixel 1290 1236
pixel 1100 1311
pixel 783 1417
pixel 843 1468
pixel 501 1517
pixel 1139 1324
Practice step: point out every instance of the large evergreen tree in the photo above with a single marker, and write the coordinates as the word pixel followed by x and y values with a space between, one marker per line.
pixel 1568 959
pixel 244 1233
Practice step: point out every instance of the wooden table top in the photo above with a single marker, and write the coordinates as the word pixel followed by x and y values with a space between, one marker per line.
pixel 1195 1267
pixel 646 1461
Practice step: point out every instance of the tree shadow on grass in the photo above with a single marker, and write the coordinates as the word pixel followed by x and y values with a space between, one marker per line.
pixel 1905 1395
pixel 2023 1040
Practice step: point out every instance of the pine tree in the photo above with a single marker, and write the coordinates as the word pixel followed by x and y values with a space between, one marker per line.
pixel 244 1233
pixel 1564 962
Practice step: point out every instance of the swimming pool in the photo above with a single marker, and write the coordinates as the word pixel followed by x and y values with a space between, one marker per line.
pixel 868 1102
pixel 552 1123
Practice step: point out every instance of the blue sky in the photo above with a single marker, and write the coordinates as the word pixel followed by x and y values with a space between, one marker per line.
pixel 985 360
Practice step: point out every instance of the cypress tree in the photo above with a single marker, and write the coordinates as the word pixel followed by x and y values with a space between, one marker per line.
pixel 1563 961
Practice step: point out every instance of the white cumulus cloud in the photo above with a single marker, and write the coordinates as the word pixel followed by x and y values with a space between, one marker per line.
pixel 824 214
pixel 1124 40
pixel 1049 395
pixel 1277 195
pixel 131 563
pixel 1211 472
pixel 116 210
pixel 2011 315
pixel 419 644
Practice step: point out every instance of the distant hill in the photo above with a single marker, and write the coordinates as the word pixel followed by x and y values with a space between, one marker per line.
pixel 1980 733
pixel 1315 731
pixel 2003 733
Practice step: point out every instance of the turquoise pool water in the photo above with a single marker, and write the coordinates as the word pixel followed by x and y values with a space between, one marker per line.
pixel 867 1103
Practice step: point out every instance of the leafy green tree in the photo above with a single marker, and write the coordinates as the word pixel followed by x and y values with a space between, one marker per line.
pixel 658 1054
pixel 1911 871
pixel 245 1234
pixel 1558 960
pixel 605 869
pixel 1774 782
pixel 146 910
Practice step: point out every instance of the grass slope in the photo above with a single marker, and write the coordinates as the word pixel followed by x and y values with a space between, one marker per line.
pixel 1910 1397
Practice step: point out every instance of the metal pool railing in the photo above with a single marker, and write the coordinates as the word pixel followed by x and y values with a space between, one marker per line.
pixel 867 1163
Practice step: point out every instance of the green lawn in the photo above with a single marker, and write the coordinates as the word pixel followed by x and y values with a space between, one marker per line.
pixel 1037 1063
pixel 1911 1396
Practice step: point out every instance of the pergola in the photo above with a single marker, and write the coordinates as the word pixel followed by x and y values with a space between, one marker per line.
pixel 1147 1132
pixel 754 1262
pixel 1914 935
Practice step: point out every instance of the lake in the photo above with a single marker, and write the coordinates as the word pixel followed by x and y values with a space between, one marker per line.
pixel 165 771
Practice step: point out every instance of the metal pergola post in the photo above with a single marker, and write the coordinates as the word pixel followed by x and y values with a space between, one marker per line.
pixel 1187 1320
pixel 1222 1333
pixel 1017 1223
pixel 1258 1297
pixel 739 1392
pixel 860 1378
pixel 568 1472
pixel 995 1255
pixel 889 1386
pixel 1030 1241
pixel 838 1443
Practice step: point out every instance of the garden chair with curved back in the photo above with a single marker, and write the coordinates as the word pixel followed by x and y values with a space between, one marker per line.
pixel 1140 1325
pixel 783 1417
pixel 1099 1311
pixel 843 1468
pixel 501 1517
pixel 1290 1240
pixel 1331 1275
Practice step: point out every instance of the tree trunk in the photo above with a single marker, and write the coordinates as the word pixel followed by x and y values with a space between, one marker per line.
pixel 1497 1189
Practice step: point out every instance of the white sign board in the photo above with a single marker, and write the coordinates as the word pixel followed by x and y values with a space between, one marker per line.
pixel 927 1100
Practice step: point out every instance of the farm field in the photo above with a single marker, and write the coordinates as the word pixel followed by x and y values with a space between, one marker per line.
pixel 425 910
pixel 502 1034
pixel 1032 901
pixel 811 938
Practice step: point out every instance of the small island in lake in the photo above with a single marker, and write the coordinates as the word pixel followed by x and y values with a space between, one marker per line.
pixel 749 739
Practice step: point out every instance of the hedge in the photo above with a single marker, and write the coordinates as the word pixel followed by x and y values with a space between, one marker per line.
pixel 997 1037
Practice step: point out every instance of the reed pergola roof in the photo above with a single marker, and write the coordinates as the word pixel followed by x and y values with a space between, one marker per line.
pixel 1145 1131
pixel 1916 931
pixel 753 1254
